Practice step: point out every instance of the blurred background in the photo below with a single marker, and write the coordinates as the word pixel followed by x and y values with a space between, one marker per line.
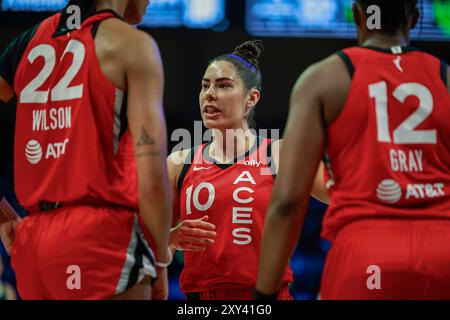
pixel 296 33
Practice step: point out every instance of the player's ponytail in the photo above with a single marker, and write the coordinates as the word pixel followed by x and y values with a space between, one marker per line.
pixel 251 51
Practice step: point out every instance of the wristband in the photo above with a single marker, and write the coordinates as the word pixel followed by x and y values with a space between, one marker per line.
pixel 163 264
pixel 258 295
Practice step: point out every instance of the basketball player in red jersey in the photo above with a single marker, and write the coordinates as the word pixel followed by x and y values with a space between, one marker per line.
pixel 90 149
pixel 222 188
pixel 379 112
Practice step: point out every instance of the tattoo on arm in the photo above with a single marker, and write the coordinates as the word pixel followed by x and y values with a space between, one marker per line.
pixel 145 139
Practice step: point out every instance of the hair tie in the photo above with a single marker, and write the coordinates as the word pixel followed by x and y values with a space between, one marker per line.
pixel 245 62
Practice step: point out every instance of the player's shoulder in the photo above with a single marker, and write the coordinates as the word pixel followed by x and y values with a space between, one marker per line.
pixel 327 67
pixel 276 144
pixel 126 39
pixel 175 163
pixel 422 52
pixel 323 75
pixel 325 84
pixel 178 158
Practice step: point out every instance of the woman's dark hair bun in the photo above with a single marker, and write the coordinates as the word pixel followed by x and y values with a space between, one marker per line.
pixel 251 51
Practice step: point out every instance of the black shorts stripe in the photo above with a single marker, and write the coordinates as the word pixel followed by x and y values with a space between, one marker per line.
pixel 140 252
pixel 348 62
pixel 186 167
pixel 444 72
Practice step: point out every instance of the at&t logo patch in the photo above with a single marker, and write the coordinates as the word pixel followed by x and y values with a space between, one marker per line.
pixel 33 152
pixel 389 191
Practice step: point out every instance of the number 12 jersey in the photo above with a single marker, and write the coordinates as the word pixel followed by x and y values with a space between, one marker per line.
pixel 388 152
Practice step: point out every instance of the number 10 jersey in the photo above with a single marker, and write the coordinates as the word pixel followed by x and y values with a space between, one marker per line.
pixel 236 197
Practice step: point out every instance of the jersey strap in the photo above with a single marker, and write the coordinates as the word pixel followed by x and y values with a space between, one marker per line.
pixel 87 12
pixel 348 62
pixel 444 72
pixel 186 166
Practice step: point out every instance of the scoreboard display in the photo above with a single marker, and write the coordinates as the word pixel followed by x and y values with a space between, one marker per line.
pixel 333 19
pixel 33 5
pixel 160 13
pixel 185 13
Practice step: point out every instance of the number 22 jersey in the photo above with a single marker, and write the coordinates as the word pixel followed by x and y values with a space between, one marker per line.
pixel 388 152
pixel 72 142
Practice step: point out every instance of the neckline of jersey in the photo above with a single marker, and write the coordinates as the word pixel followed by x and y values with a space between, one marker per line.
pixel 405 49
pixel 207 157
pixel 104 11
pixel 61 29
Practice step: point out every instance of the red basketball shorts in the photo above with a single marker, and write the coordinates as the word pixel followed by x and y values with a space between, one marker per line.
pixel 80 252
pixel 237 293
pixel 389 259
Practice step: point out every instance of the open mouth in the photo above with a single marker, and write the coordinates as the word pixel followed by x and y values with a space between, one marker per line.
pixel 211 111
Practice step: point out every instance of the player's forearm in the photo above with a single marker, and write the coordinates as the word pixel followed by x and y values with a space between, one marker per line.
pixel 7 212
pixel 172 240
pixel 280 236
pixel 155 212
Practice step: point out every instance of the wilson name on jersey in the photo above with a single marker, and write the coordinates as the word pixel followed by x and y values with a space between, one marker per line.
pixel 72 141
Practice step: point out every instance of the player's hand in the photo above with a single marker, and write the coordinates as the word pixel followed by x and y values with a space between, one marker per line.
pixel 7 233
pixel 160 289
pixel 192 235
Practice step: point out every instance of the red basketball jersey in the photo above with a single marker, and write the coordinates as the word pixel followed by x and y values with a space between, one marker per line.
pixel 71 140
pixel 235 197
pixel 388 152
